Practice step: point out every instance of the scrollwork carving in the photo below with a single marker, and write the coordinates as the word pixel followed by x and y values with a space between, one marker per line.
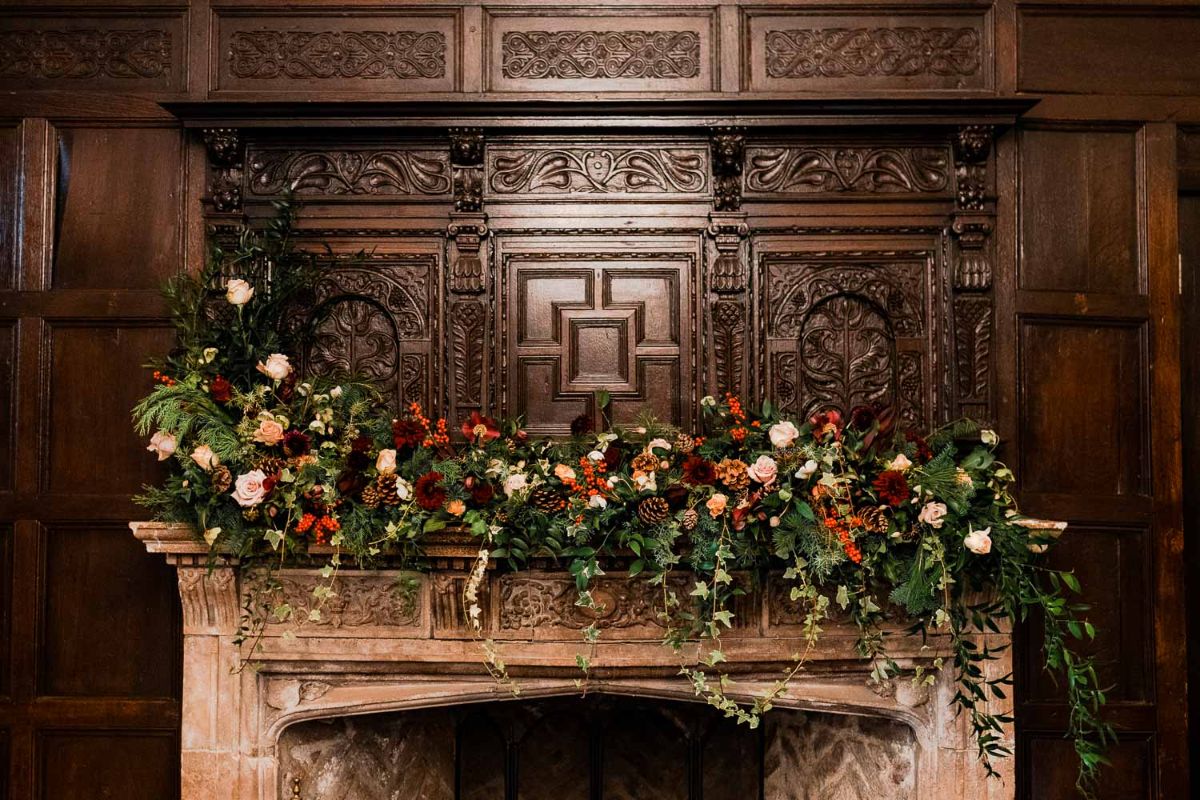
pixel 321 55
pixel 349 172
pixel 581 170
pixel 972 349
pixel 729 344
pixel 362 600
pixel 575 55
pixel 873 52
pixel 468 321
pixel 873 170
pixel 847 355
pixel 533 602
pixel 84 53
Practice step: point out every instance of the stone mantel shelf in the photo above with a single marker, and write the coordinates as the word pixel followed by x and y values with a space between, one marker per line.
pixel 376 649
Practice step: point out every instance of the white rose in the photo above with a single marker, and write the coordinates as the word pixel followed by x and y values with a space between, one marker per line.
pixel 782 434
pixel 238 292
pixel 276 368
pixel 763 470
pixel 249 491
pixel 205 457
pixel 162 444
pixel 900 463
pixel 979 542
pixel 386 462
pixel 403 489
pixel 806 472
pixel 661 444
pixel 646 482
pixel 989 437
pixel 708 401
pixel 209 354
pixel 597 501
pixel 932 514
pixel 596 455
pixel 515 483
pixel 335 392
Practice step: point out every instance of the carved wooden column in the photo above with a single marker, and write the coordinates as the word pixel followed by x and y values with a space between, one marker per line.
pixel 726 281
pixel 225 163
pixel 466 307
pixel 974 220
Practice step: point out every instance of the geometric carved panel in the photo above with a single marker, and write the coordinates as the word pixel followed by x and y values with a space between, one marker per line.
pixel 845 329
pixel 374 322
pixel 576 323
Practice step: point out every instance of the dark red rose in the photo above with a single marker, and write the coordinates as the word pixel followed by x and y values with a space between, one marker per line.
pixel 581 425
pixel 923 451
pixel 482 493
pixel 612 456
pixel 287 387
pixel 361 444
pixel 407 434
pixel 699 471
pixel 296 443
pixel 351 482
pixel 480 428
pixel 430 495
pixel 220 389
pixel 676 496
pixel 892 487
pixel 827 422
pixel 862 418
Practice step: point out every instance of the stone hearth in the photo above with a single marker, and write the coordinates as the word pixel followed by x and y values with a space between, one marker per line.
pixel 393 641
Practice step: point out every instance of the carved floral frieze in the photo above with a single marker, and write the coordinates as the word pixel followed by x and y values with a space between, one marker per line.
pixel 817 169
pixel 323 55
pixel 598 170
pixel 389 171
pixel 873 52
pixel 85 53
pixel 566 54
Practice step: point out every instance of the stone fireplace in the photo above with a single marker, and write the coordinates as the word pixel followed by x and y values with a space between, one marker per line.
pixel 386 695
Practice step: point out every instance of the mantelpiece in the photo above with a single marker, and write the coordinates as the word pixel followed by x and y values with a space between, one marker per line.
pixel 379 650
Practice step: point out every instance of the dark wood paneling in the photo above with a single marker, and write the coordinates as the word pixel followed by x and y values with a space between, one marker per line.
pixel 6 614
pixel 1130 52
pixel 118 764
pixel 1083 389
pixel 853 51
pixel 10 204
pixel 1081 185
pixel 130 601
pixel 8 397
pixel 81 357
pixel 1052 760
pixel 1189 236
pixel 121 215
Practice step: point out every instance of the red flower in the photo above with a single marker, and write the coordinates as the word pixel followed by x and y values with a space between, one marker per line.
pixel 296 443
pixel 270 482
pixel 220 389
pixel 827 422
pixel 430 496
pixel 676 496
pixel 923 451
pixel 480 428
pixel 612 456
pixel 892 487
pixel 482 493
pixel 698 471
pixel 407 434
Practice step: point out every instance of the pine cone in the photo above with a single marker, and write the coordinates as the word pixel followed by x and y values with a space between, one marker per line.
pixel 370 496
pixel 684 443
pixel 874 519
pixel 653 510
pixel 222 479
pixel 732 473
pixel 545 499
pixel 385 489
pixel 644 462
pixel 500 516
pixel 689 520
pixel 271 465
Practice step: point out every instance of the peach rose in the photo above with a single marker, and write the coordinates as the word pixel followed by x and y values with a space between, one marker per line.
pixel 249 490
pixel 163 445
pixel 269 432
pixel 205 458
pixel 238 292
pixel 932 514
pixel 782 434
pixel 386 462
pixel 979 542
pixel 764 470
pixel 563 472
pixel 716 504
pixel 276 367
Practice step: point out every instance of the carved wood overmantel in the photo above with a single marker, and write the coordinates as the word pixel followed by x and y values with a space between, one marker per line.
pixel 522 256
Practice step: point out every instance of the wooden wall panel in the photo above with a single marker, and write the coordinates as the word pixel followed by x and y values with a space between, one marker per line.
pixel 633 48
pixel 120 224
pixel 335 50
pixel 1082 185
pixel 8 402
pixel 129 765
pixel 1052 760
pixel 6 614
pixel 143 52
pixel 897 49
pixel 1132 51
pixel 129 602
pixel 10 204
pixel 81 357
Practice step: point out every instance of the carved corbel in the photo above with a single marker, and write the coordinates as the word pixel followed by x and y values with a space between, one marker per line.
pixel 728 158
pixel 468 224
pixel 728 232
pixel 225 160
pixel 466 233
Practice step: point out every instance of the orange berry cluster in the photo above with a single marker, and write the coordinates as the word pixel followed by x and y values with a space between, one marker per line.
pixel 325 527
pixel 841 527
pixel 738 432
pixel 165 380
pixel 436 435
pixel 593 482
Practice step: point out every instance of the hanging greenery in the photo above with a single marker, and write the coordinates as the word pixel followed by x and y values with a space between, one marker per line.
pixel 857 514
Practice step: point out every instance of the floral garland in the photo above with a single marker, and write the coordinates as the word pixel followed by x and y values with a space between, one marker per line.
pixel 880 522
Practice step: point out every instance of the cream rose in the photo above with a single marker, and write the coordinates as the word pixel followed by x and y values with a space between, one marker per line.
pixel 269 432
pixel 238 292
pixel 900 463
pixel 716 504
pixel 646 481
pixel 989 437
pixel 385 462
pixel 248 491
pixel 661 444
pixel 276 368
pixel 563 472
pixel 404 489
pixel 163 445
pixel 764 470
pixel 205 458
pixel 515 483
pixel 932 514
pixel 807 471
pixel 782 434
pixel 597 501
pixel 979 542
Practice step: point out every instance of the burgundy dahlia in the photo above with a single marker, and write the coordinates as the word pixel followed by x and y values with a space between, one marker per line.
pixel 699 471
pixel 892 487
pixel 429 493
